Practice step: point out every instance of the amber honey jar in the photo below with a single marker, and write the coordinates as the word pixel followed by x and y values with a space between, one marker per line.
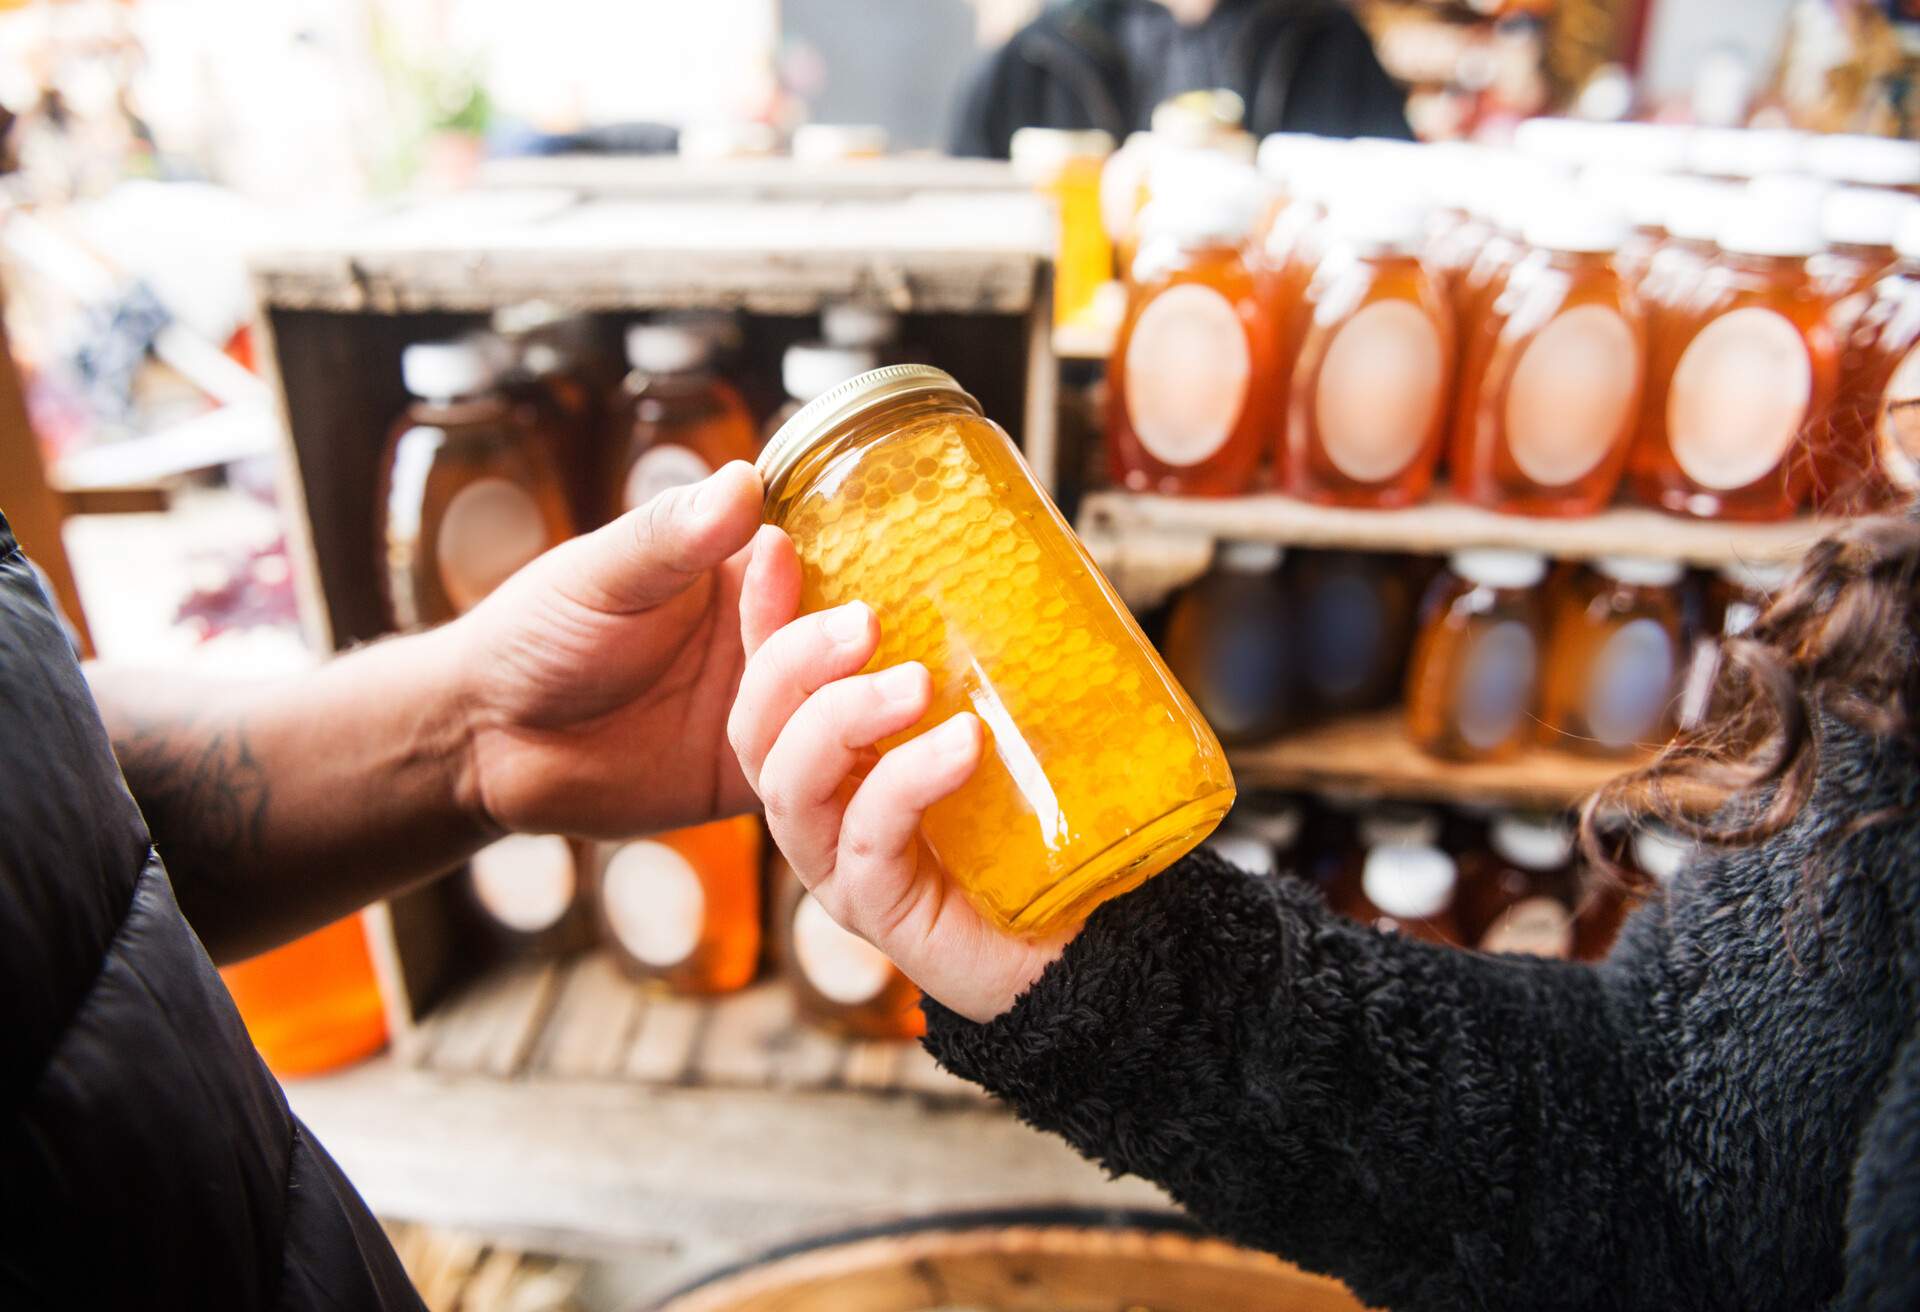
pixel 1472 686
pixel 1550 393
pixel 1614 655
pixel 1874 452
pixel 1408 889
pixel 1229 640
pixel 1519 895
pixel 530 892
pixel 558 374
pixel 469 492
pixel 683 907
pixel 678 419
pixel 1744 372
pixel 841 983
pixel 1064 166
pixel 1366 400
pixel 1098 772
pixel 311 1005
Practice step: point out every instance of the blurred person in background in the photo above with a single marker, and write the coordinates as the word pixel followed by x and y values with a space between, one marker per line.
pixel 1299 66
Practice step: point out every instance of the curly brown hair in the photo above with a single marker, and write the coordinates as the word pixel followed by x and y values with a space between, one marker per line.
pixel 1836 644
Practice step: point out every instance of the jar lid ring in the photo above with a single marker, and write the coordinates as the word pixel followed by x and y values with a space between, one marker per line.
pixel 818 418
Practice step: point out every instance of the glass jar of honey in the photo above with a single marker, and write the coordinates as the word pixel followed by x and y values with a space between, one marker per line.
pixel 1353 615
pixel 1366 401
pixel 683 908
pixel 1550 393
pixel 1874 453
pixel 1409 889
pixel 311 1005
pixel 841 983
pixel 1520 897
pixel 1098 772
pixel 1860 225
pixel 468 492
pixel 1189 377
pixel 1229 640
pixel 1614 649
pixel 679 421
pixel 1750 365
pixel 1474 678
pixel 560 376
pixel 530 893
pixel 1064 166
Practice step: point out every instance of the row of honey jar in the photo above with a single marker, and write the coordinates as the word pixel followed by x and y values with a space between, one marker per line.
pixel 1341 336
pixel 1489 652
pixel 1477 878
pixel 697 912
pixel 517 438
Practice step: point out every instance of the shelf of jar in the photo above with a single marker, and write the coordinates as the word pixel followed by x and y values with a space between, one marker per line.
pixel 1372 755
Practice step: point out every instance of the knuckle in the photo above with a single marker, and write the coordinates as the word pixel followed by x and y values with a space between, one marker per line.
pixel 776 798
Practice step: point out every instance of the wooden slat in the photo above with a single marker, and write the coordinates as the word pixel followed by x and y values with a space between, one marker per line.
pixel 592 1023
pixel 918 1072
pixel 804 1058
pixel 1371 754
pixel 490 1027
pixel 1443 526
pixel 664 1042
pixel 743 1031
pixel 873 1065
pixel 770 178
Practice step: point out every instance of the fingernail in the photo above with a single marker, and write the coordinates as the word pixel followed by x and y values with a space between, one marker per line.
pixel 901 683
pixel 845 624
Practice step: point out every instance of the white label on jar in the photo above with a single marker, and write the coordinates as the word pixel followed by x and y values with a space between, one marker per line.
pixel 654 902
pixel 525 882
pixel 1572 394
pixel 1187 368
pixel 1496 686
pixel 489 529
pixel 1899 424
pixel 1630 684
pixel 1535 927
pixel 1739 398
pixel 1379 390
pixel 658 469
pixel 841 967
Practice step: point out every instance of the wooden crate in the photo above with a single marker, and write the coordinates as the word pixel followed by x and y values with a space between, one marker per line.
pixel 966 264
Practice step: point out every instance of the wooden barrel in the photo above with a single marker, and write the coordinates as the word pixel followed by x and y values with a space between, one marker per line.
pixel 1022 1261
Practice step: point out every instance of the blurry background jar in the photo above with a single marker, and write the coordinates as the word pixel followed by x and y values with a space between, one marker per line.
pixel 558 372
pixel 1229 642
pixel 1274 821
pixel 683 908
pixel 1473 683
pixel 841 983
pixel 1874 454
pixel 1860 225
pixel 812 369
pixel 1737 596
pixel 1653 856
pixel 1064 166
pixel 862 325
pixel 1614 653
pixel 1353 616
pixel 314 1004
pixel 1518 896
pixel 1408 889
pixel 529 891
pixel 677 421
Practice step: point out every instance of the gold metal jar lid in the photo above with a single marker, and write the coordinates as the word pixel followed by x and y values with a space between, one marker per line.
pixel 821 416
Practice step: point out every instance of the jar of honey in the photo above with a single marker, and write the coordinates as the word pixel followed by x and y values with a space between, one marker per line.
pixel 841 983
pixel 1654 856
pixel 1550 392
pixel 1367 398
pixel 1737 596
pixel 1275 822
pixel 1474 678
pixel 1409 889
pixel 1751 364
pixel 1353 617
pixel 1860 225
pixel 1521 898
pixel 811 369
pixel 468 491
pixel 1614 653
pixel 558 374
pixel 1064 166
pixel 679 421
pixel 1229 642
pixel 1189 379
pixel 1098 771
pixel 311 1005
pixel 683 908
pixel 1876 417
pixel 529 891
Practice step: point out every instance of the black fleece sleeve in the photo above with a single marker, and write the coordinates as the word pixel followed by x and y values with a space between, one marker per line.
pixel 1883 1209
pixel 1439 1129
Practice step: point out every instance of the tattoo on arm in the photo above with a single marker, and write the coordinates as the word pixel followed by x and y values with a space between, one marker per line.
pixel 204 795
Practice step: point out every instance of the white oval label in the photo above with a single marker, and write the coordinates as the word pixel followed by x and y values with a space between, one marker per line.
pixel 654 902
pixel 490 528
pixel 1495 691
pixel 1379 390
pixel 1630 684
pixel 1739 398
pixel 526 881
pixel 1573 393
pixel 658 469
pixel 1899 424
pixel 1187 369
pixel 841 967
pixel 1535 927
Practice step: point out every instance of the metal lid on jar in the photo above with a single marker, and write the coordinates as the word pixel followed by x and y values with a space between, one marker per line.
pixel 828 411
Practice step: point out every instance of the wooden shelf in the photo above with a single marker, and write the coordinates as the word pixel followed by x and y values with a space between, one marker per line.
pixel 1371 754
pixel 1442 526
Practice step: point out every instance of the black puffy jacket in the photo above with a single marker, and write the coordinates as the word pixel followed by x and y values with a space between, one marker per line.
pixel 147 1158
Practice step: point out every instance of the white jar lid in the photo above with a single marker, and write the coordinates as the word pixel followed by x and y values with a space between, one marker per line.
pixel 1563 140
pixel 858 323
pixel 1865 216
pixel 1578 224
pixel 1374 218
pixel 1243 850
pixel 1532 842
pixel 1637 195
pixel 1866 161
pixel 444 371
pixel 1493 568
pixel 1906 241
pixel 1778 215
pixel 1746 152
pixel 1409 883
pixel 1277 826
pixel 1038 153
pixel 1697 208
pixel 666 348
pixel 721 328
pixel 823 143
pixel 1641 571
pixel 1765 577
pixel 1399 826
pixel 1249 557
pixel 810 369
pixel 1661 853
pixel 1284 155
pixel 1199 196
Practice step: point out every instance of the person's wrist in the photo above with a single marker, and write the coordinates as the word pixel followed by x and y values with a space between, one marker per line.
pixel 459 715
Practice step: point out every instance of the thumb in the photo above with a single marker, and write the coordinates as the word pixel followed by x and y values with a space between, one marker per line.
pixel 656 551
